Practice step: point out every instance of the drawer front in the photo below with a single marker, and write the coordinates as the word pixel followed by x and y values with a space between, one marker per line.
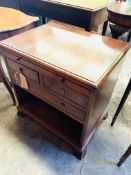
pixel 65 91
pixel 57 102
pixel 30 74
pixel 11 56
pixel 65 82
pixel 53 100
pixel 83 91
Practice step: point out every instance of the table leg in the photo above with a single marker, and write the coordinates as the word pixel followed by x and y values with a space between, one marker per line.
pixel 3 79
pixel 43 20
pixel 126 93
pixel 104 27
pixel 125 156
pixel 117 31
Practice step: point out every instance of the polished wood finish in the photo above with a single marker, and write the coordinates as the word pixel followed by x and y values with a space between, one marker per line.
pixel 86 13
pixel 120 15
pixel 70 85
pixel 13 22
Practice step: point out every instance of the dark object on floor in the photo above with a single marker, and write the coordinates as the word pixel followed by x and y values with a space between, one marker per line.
pixel 123 100
pixel 119 17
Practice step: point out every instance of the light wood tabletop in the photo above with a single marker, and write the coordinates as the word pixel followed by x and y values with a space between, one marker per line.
pixel 86 4
pixel 11 19
pixel 83 54
pixel 13 22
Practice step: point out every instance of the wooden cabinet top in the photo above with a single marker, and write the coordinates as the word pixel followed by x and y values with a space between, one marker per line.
pixel 84 4
pixel 84 56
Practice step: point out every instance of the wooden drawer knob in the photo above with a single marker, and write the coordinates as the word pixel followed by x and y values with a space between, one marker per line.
pixel 18 59
pixel 62 80
pixel 62 91
pixel 62 104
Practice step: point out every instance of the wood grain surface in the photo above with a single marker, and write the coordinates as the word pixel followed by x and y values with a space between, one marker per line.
pixel 82 54
pixel 63 67
pixel 87 4
pixel 11 19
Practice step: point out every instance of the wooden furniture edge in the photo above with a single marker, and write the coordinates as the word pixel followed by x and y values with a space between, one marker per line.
pixel 50 66
pixel 79 7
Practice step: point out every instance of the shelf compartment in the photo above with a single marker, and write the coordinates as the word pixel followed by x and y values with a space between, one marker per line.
pixel 54 120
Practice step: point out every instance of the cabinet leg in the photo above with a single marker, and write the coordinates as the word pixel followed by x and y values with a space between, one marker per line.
pixel 104 27
pixel 80 154
pixel 21 114
pixel 105 116
pixel 43 20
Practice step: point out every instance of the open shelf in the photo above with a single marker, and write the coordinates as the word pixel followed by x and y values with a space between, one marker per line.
pixel 56 121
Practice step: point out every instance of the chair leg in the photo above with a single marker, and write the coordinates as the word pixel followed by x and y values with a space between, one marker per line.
pixel 104 27
pixel 8 87
pixel 7 84
pixel 125 156
pixel 117 30
pixel 126 93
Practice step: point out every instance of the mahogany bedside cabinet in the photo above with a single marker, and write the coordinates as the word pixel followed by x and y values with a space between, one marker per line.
pixel 63 78
pixel 13 22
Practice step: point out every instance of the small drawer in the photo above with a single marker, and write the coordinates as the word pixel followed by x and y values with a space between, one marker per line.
pixel 66 92
pixel 53 100
pixel 57 102
pixel 65 82
pixel 30 74
pixel 67 107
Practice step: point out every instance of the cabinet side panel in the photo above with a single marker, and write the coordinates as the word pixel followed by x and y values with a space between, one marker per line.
pixel 101 101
